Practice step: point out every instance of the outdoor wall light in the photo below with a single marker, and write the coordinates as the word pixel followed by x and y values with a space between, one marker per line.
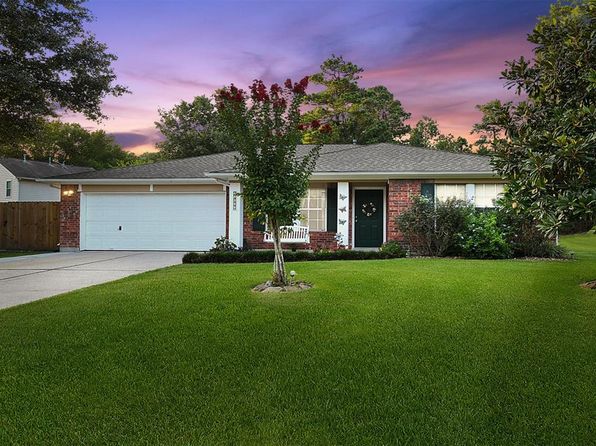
pixel 68 193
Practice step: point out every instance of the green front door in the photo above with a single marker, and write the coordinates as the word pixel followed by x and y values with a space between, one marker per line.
pixel 369 218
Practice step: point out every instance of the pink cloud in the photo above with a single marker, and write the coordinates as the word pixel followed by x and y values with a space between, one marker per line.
pixel 447 85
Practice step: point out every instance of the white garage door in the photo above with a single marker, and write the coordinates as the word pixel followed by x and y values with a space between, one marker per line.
pixel 167 222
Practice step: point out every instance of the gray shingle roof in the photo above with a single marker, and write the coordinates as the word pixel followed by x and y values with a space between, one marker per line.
pixel 194 167
pixel 398 158
pixel 39 169
pixel 385 157
pixel 375 158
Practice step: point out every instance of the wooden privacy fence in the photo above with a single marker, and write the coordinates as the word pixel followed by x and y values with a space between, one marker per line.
pixel 30 226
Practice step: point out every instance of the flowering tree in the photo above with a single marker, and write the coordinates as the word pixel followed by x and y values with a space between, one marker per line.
pixel 264 126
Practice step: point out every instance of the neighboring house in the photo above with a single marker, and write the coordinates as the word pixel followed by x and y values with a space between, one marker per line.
pixel 18 179
pixel 355 194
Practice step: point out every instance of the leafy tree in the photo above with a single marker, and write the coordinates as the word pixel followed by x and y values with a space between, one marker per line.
pixel 49 63
pixel 367 115
pixel 494 126
pixel 450 143
pixel 266 131
pixel 191 129
pixel 149 157
pixel 546 143
pixel 426 134
pixel 379 117
pixel 72 144
pixel 137 160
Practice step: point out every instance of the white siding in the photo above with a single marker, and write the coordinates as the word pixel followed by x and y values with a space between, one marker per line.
pixel 236 214
pixel 33 191
pixel 343 221
pixel 5 176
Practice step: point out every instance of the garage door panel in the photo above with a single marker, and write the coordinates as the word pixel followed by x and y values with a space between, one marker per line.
pixel 153 221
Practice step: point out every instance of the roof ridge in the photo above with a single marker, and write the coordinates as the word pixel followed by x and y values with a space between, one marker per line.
pixel 349 147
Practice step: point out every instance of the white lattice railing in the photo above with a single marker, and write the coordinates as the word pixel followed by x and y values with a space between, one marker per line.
pixel 291 234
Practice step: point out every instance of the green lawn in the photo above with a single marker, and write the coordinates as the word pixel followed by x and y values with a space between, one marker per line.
pixel 409 350
pixel 4 254
pixel 583 245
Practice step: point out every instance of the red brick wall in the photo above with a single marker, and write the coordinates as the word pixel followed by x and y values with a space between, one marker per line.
pixel 70 210
pixel 318 240
pixel 399 198
pixel 323 240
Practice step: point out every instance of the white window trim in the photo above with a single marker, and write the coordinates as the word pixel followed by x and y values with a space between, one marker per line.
pixel 8 189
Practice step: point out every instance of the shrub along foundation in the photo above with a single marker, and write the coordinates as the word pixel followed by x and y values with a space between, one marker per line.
pixel 289 256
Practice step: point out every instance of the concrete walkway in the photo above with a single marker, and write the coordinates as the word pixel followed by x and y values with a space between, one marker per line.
pixel 29 278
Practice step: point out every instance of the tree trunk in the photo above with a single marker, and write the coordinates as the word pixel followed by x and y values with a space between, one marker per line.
pixel 279 267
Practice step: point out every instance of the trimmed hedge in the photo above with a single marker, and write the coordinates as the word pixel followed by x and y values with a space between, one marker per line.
pixel 289 256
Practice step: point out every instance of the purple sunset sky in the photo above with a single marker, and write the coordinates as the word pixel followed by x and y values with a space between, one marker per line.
pixel 439 57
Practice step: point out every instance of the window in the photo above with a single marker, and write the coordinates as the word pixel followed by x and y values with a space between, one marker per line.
pixel 428 190
pixel 258 225
pixel 8 188
pixel 486 194
pixel 446 191
pixel 313 209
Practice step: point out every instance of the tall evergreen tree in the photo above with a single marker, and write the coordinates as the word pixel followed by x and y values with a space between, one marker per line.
pixel 364 115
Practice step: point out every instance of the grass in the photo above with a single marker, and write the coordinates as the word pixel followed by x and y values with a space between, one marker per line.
pixel 4 254
pixel 410 350
pixel 582 245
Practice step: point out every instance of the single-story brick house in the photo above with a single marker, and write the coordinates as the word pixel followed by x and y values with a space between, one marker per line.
pixel 356 191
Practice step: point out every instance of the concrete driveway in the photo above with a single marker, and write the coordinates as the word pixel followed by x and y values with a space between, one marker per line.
pixel 29 278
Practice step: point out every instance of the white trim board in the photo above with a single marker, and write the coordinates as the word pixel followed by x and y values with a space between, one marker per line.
pixel 353 201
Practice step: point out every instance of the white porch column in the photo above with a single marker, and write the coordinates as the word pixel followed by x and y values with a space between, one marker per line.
pixel 343 210
pixel 236 215
pixel 471 193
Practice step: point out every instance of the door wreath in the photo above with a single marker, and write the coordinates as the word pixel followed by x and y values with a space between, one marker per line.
pixel 368 209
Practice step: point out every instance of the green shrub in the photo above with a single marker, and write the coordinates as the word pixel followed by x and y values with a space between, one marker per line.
pixel 223 244
pixel 433 229
pixel 553 251
pixel 523 235
pixel 393 248
pixel 289 256
pixel 483 238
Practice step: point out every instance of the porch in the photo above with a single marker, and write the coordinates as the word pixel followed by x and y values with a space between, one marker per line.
pixel 342 214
